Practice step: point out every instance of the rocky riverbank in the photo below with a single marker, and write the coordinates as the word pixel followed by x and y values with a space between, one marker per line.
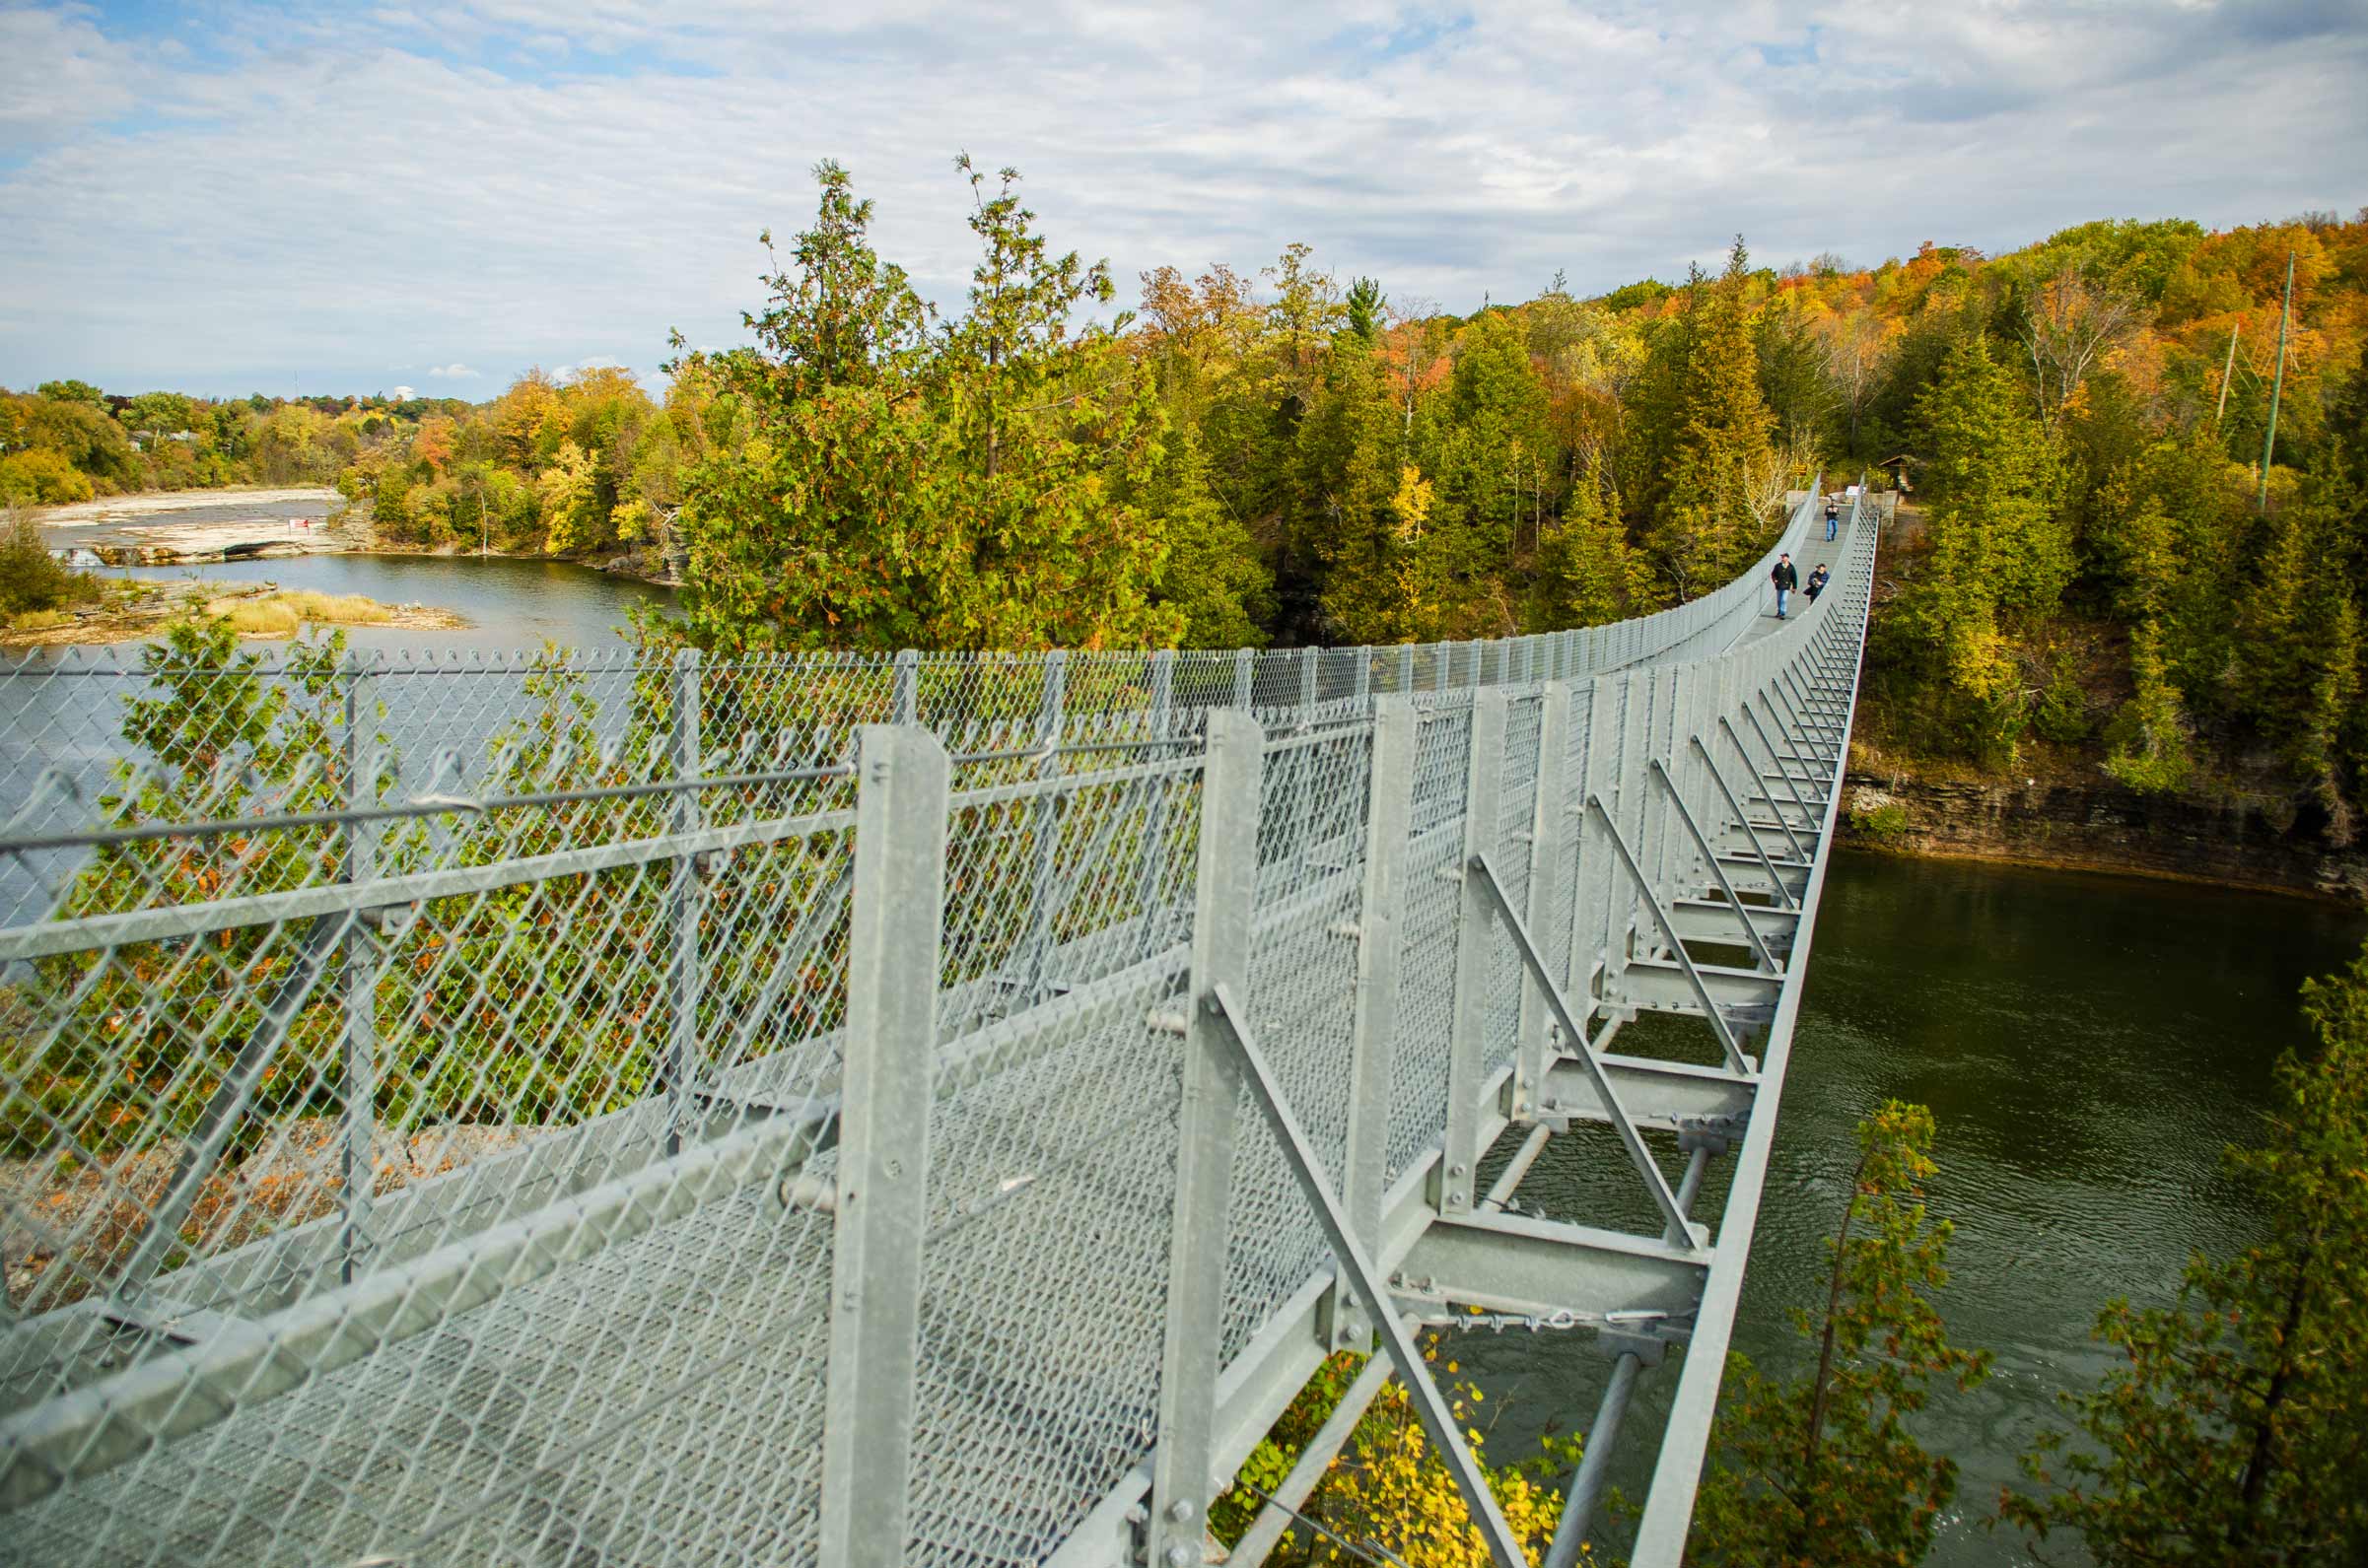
pixel 131 611
pixel 2100 826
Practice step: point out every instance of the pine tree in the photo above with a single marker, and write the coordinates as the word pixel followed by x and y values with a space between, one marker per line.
pixel 2296 667
pixel 1212 575
pixel 1996 543
pixel 2149 737
pixel 1588 573
pixel 1489 458
pixel 1822 1472
pixel 1707 526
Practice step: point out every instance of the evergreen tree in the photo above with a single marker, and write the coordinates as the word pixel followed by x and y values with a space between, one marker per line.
pixel 2296 669
pixel 1588 573
pixel 1822 1472
pixel 1996 543
pixel 1212 575
pixel 899 487
pixel 813 531
pixel 1707 525
pixel 1488 454
pixel 2231 1434
pixel 1350 466
pixel 2149 737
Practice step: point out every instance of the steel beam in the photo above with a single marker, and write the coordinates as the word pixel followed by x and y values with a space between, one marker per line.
pixel 883 1191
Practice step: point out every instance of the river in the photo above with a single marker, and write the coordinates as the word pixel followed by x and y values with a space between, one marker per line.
pixel 509 604
pixel 2087 1044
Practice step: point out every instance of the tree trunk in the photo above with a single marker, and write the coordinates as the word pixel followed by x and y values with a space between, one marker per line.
pixel 2259 1464
pixel 1824 1349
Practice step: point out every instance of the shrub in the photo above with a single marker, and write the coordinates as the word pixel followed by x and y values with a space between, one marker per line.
pixel 2062 715
pixel 31 578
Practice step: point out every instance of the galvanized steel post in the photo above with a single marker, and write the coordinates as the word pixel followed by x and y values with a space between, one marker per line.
pixel 1545 840
pixel 1224 900
pixel 359 1080
pixel 1474 922
pixel 1389 818
pixel 1151 864
pixel 882 1197
pixel 683 901
pixel 1044 818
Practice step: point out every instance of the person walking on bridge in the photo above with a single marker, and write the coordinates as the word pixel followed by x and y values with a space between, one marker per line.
pixel 1833 519
pixel 1786 578
pixel 1817 581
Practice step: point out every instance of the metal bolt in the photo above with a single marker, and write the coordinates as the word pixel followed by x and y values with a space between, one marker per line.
pixel 1180 1510
pixel 1179 1556
pixel 1455 1170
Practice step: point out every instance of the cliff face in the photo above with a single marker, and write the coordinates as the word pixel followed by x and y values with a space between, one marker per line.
pixel 2102 827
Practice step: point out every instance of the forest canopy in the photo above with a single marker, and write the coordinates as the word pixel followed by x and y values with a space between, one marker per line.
pixel 1218 457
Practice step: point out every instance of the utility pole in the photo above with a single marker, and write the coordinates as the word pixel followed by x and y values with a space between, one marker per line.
pixel 2228 368
pixel 2276 386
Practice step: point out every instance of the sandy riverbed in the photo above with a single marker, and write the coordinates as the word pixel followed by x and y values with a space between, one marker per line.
pixel 115 509
pixel 165 528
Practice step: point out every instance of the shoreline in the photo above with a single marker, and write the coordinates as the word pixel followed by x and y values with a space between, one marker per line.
pixel 114 529
pixel 142 613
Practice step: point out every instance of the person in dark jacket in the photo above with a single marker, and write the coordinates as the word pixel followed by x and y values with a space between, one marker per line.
pixel 1786 578
pixel 1832 519
pixel 1817 581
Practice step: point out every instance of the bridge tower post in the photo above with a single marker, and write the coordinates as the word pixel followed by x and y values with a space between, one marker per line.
pixel 1546 860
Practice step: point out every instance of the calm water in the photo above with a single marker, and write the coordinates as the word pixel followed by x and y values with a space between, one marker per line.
pixel 2087 1044
pixel 509 603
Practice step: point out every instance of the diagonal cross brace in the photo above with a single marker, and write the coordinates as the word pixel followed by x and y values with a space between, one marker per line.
pixel 1736 806
pixel 1638 1155
pixel 1767 963
pixel 1437 1420
pixel 1653 900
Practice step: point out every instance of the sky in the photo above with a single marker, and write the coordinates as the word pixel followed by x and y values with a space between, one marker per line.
pixel 226 199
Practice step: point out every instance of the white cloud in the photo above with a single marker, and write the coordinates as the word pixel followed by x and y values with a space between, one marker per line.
pixel 402 394
pixel 455 372
pixel 521 206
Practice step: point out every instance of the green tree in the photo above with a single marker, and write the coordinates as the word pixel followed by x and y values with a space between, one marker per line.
pixel 2149 738
pixel 1821 1470
pixel 2230 1435
pixel 810 533
pixel 1588 573
pixel 1997 546
pixel 1049 429
pixel 1707 525
pixel 1212 575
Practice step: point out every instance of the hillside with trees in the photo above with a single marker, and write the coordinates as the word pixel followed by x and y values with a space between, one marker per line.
pixel 2096 575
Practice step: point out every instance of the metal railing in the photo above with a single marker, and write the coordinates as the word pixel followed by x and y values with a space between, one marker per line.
pixel 787 1109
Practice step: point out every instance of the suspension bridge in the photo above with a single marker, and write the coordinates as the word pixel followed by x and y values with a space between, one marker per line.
pixel 857 1111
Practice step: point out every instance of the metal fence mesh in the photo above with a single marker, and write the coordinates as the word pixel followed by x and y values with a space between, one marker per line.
pixel 419 1074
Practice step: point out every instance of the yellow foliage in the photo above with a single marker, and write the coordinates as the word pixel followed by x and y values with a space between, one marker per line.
pixel 1389 1488
pixel 1411 504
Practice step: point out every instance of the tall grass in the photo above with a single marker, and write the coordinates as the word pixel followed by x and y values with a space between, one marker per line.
pixel 285 613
